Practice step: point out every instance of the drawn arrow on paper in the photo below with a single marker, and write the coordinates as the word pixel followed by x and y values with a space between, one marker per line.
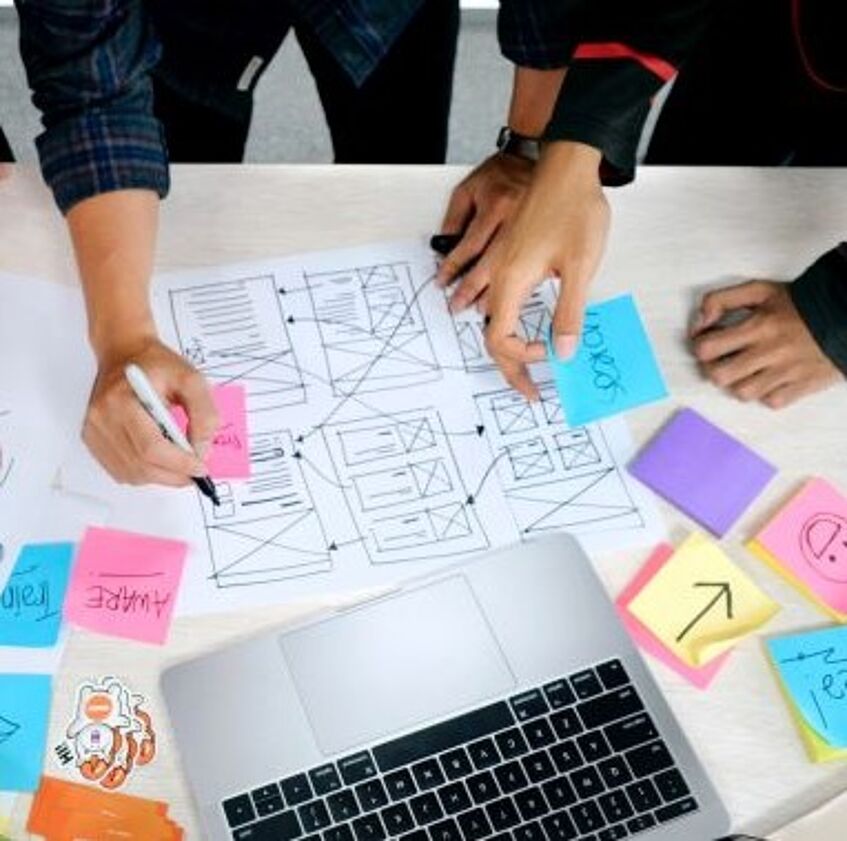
pixel 723 594
pixel 7 729
pixel 300 457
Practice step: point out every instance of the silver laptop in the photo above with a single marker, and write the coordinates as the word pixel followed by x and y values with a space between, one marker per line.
pixel 500 700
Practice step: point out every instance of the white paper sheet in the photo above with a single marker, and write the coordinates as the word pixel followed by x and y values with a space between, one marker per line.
pixel 383 442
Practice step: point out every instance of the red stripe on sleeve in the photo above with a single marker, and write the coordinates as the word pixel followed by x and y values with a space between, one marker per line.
pixel 661 68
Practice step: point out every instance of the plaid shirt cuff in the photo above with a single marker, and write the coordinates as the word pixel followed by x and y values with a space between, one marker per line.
pixel 100 152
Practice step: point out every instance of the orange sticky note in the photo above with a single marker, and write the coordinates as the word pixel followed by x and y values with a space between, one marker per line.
pixel 125 584
pixel 229 455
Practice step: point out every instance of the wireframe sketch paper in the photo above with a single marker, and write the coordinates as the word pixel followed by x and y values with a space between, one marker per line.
pixel 614 369
pixel 383 443
pixel 806 543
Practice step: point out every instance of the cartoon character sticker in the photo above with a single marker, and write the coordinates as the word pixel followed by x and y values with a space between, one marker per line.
pixel 110 734
pixel 824 545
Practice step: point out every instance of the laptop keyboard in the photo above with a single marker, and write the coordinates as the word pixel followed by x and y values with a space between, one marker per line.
pixel 578 758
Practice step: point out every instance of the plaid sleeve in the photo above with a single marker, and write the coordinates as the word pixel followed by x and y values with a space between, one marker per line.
pixel 88 63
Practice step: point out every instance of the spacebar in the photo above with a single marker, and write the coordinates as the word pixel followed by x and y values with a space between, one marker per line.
pixel 439 737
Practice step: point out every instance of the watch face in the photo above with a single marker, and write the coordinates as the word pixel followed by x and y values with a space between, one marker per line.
pixel 503 137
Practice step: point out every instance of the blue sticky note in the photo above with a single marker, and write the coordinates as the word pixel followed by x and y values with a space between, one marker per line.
pixel 31 603
pixel 24 711
pixel 613 370
pixel 813 669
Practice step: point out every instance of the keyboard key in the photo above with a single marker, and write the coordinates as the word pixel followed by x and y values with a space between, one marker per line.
pixel 511 777
pixel 502 836
pixel 238 810
pixel 566 723
pixel 426 808
pixel 559 694
pixel 356 768
pixel 586 684
pixel 538 767
pixel 372 795
pixel 428 774
pixel 454 798
pixel 269 806
pixel 314 837
pixel 529 705
pixel 456 764
pixel 671 785
pixel 342 832
pixel 296 789
pixel 529 832
pixel 400 784
pixel 612 833
pixel 280 827
pixel 483 754
pixel 314 816
pixel 640 823
pixel 343 805
pixel 587 782
pixel 559 793
pixel 626 734
pixel 397 819
pixel 264 792
pixel 567 757
pixel 482 787
pixel 676 810
pixel 368 828
pixel 615 806
pixel 614 772
pixel 559 827
pixel 511 743
pixel 447 830
pixel 417 835
pixel 539 733
pixel 443 736
pixel 474 825
pixel 648 759
pixel 531 804
pixel 613 674
pixel 609 707
pixel 503 814
pixel 325 779
pixel 587 816
pixel 643 796
pixel 593 746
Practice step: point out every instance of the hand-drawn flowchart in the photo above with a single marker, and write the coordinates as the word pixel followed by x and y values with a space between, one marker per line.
pixel 383 441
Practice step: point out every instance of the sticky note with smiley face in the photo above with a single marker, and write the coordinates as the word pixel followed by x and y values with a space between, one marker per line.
pixel 806 543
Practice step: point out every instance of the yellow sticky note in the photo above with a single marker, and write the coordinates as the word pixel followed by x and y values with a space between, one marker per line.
pixel 700 604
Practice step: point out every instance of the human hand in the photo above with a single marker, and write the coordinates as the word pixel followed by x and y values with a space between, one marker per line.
pixel 769 356
pixel 559 229
pixel 123 437
pixel 5 171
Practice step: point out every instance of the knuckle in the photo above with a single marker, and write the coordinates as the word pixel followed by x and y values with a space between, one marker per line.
pixel 774 401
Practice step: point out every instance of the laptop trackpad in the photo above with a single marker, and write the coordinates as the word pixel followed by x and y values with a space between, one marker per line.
pixel 395 663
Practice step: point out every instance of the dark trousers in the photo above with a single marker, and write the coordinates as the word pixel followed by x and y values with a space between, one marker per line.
pixel 398 115
pixel 747 96
pixel 6 155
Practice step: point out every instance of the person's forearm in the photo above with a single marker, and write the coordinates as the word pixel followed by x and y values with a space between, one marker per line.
pixel 114 237
pixel 534 95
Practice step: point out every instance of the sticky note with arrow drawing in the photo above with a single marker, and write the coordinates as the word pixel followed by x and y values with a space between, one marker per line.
pixel 700 604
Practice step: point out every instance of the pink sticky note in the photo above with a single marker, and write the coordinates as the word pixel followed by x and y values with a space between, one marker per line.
pixel 229 456
pixel 702 677
pixel 807 540
pixel 125 584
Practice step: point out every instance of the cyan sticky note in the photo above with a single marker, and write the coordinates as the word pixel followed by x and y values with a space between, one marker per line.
pixel 614 368
pixel 812 667
pixel 31 602
pixel 24 711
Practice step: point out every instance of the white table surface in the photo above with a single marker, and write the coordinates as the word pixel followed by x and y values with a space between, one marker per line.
pixel 675 232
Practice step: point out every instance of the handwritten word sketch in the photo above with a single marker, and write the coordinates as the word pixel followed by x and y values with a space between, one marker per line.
pixel 382 440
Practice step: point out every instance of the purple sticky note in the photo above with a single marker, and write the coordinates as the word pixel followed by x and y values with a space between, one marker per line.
pixel 704 472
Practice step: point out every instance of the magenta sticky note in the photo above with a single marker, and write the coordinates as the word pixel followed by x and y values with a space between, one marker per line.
pixel 702 470
pixel 229 456
pixel 125 584
pixel 649 642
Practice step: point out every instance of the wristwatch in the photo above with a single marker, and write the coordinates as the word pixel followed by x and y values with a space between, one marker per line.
pixel 511 143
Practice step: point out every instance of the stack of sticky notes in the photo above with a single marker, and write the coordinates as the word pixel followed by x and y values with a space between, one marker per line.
pixel 688 607
pixel 806 543
pixel 63 811
pixel 811 668
pixel 702 470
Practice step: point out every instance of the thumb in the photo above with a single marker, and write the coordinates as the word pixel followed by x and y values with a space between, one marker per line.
pixel 567 319
pixel 194 396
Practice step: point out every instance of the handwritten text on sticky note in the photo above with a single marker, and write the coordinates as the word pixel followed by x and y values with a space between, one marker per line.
pixel 229 456
pixel 614 369
pixel 24 711
pixel 699 604
pixel 125 584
